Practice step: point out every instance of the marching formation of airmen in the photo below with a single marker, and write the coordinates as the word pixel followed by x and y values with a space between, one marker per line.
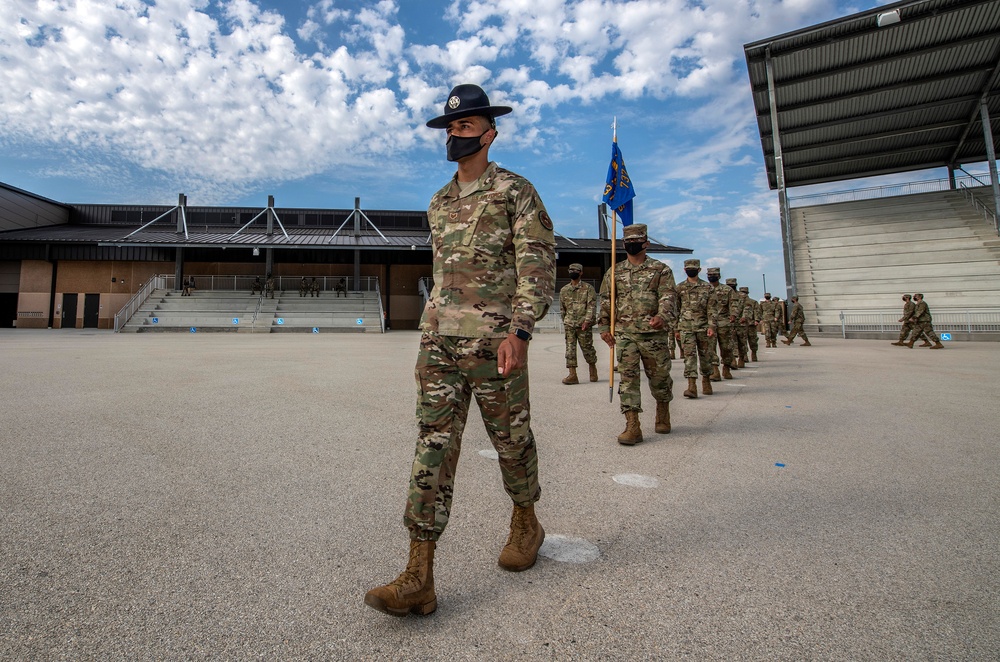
pixel 716 326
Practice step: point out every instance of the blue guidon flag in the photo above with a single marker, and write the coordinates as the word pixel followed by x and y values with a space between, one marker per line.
pixel 618 191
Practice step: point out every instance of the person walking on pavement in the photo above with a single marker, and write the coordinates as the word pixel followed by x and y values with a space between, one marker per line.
pixel 494 278
pixel 578 304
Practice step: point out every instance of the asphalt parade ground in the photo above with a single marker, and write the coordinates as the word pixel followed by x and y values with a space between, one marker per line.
pixel 230 496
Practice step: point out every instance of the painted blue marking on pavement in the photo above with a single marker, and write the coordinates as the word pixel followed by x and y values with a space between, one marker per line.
pixel 779 464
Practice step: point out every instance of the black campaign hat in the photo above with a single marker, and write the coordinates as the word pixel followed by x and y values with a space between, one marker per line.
pixel 466 101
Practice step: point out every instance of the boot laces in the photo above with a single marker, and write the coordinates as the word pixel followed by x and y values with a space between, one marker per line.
pixel 518 527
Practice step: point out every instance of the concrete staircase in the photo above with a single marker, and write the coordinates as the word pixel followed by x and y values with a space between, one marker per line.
pixel 866 254
pixel 357 312
pixel 166 310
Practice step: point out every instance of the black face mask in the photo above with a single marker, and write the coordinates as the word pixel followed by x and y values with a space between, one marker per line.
pixel 713 279
pixel 634 247
pixel 574 275
pixel 459 148
pixel 767 298
pixel 734 287
pixel 692 273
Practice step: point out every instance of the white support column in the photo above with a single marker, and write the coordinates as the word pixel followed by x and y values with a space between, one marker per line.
pixel 984 114
pixel 784 210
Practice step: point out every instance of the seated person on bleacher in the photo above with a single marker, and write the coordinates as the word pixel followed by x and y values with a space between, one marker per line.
pixel 269 286
pixel 303 286
pixel 341 286
pixel 314 288
pixel 256 286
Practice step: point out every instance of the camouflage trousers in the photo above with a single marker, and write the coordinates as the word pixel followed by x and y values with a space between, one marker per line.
pixel 905 330
pixel 651 350
pixel 797 331
pixel 450 370
pixel 925 329
pixel 724 337
pixel 752 338
pixel 697 350
pixel 574 335
pixel 741 341
pixel 771 332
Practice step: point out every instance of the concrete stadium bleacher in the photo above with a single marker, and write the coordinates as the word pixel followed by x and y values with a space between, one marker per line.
pixel 167 310
pixel 863 255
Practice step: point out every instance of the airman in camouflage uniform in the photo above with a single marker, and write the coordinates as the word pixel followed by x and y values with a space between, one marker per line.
pixel 769 317
pixel 740 335
pixel 752 312
pixel 695 328
pixel 797 318
pixel 578 304
pixel 723 310
pixel 921 320
pixel 644 308
pixel 303 286
pixel 494 278
pixel 907 323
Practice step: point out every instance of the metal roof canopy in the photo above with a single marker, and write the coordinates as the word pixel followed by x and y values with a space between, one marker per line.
pixel 850 99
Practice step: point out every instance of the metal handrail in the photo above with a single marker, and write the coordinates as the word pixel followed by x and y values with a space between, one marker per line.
pixel 884 191
pixel 157 282
pixel 968 320
pixel 381 311
pixel 988 215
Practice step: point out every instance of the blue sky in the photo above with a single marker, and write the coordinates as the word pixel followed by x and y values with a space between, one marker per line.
pixel 229 101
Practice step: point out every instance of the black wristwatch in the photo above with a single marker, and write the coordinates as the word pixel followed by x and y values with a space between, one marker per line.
pixel 522 334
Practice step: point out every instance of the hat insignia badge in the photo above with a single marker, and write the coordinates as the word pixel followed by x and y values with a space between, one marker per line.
pixel 454 102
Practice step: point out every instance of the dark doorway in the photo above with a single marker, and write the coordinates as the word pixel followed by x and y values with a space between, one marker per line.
pixel 91 311
pixel 8 309
pixel 69 311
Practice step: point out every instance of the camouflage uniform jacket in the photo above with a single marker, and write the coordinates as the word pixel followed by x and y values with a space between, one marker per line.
pixel 745 306
pixel 757 312
pixel 641 292
pixel 578 304
pixel 693 300
pixel 798 315
pixel 494 258
pixel 908 309
pixel 767 311
pixel 922 312
pixel 723 305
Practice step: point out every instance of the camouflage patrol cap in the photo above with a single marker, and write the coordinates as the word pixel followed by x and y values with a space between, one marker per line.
pixel 692 264
pixel 906 296
pixel 635 232
pixel 730 281
pixel 576 266
pixel 745 289
pixel 713 271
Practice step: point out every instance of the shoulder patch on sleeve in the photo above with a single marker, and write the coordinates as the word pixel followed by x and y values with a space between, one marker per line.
pixel 544 219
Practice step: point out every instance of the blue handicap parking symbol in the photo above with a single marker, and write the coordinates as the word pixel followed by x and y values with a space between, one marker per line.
pixel 360 321
pixel 281 320
pixel 194 330
pixel 156 320
pixel 315 329
pixel 945 336
pixel 236 320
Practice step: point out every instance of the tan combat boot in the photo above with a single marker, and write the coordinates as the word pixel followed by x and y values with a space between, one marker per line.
pixel 571 378
pixel 925 343
pixel 938 345
pixel 593 372
pixel 753 355
pixel 898 344
pixel 692 389
pixel 526 536
pixel 726 373
pixel 632 434
pixel 807 344
pixel 413 591
pixel 662 417
pixel 716 377
pixel 741 363
pixel 910 344
pixel 706 385
pixel 786 341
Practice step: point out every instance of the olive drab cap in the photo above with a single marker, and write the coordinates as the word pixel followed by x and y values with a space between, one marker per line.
pixel 745 289
pixel 635 232
pixel 730 281
pixel 576 266
pixel 692 264
pixel 713 271
pixel 466 101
